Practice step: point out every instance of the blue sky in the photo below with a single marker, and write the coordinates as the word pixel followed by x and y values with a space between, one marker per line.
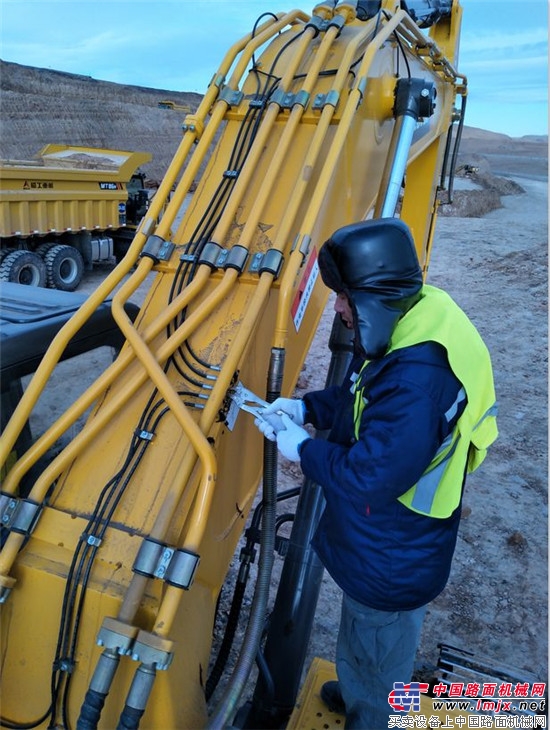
pixel 178 44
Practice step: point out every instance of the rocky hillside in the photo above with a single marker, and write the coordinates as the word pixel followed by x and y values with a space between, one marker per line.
pixel 40 106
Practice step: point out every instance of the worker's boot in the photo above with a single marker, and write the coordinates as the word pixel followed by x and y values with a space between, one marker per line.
pixel 332 697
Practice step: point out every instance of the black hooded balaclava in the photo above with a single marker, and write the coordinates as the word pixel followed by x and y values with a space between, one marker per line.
pixel 375 264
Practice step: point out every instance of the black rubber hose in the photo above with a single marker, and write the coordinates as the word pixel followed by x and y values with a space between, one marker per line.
pixel 227 706
pixel 227 642
pixel 90 712
pixel 100 684
pixel 456 148
pixel 130 718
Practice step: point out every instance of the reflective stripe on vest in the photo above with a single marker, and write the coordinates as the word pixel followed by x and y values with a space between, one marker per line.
pixel 438 319
pixel 427 485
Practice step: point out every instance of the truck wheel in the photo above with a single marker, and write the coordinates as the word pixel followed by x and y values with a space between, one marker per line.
pixel 23 267
pixel 65 267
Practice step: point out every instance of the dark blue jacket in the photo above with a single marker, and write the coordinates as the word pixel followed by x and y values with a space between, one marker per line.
pixel 377 550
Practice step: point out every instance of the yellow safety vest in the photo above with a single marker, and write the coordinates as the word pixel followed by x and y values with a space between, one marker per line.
pixel 436 317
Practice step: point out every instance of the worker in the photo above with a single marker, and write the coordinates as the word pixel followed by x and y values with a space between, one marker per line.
pixel 414 415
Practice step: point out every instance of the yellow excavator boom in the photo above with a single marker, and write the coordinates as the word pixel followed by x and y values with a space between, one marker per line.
pixel 114 560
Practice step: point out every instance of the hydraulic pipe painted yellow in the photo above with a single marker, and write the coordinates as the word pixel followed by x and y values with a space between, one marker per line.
pixel 213 126
pixel 218 114
pixel 192 169
pixel 258 40
pixel 180 411
pixel 318 139
pixel 207 418
pixel 37 384
pixel 270 179
pixel 429 49
pixel 158 377
pixel 189 139
pixel 202 503
pixel 258 147
pixel 173 596
pixel 354 99
pixel 14 541
pixel 89 397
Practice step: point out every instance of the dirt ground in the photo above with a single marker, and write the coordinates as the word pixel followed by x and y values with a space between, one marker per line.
pixel 495 604
pixel 496 601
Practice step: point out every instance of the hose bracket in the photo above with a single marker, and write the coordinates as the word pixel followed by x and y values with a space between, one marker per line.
pixel 158 560
pixel 157 249
pixel 236 258
pixel 17 514
pixel 271 261
pixel 232 97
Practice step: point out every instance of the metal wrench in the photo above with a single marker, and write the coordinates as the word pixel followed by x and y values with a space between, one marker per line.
pixel 246 400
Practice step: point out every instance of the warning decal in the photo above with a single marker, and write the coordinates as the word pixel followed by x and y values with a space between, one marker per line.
pixel 305 289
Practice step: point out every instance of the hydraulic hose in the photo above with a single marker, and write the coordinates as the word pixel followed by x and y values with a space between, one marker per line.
pixel 247 558
pixel 227 706
pixel 293 615
pixel 136 702
pixel 225 648
pixel 456 148
pixel 91 709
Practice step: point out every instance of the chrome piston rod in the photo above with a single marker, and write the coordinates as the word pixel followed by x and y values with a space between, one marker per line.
pixel 414 99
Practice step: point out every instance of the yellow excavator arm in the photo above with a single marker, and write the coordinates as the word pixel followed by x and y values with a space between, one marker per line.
pixel 112 563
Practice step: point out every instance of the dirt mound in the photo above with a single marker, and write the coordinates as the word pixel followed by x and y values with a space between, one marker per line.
pixel 470 203
pixel 483 196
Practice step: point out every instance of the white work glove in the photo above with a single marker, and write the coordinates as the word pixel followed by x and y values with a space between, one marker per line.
pixel 269 422
pixel 290 437
pixel 295 408
pixel 268 429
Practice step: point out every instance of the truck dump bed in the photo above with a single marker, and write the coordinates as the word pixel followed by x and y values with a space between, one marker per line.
pixel 67 189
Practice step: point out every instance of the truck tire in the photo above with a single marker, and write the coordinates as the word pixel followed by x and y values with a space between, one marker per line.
pixel 23 267
pixel 64 266
pixel 4 252
pixel 43 249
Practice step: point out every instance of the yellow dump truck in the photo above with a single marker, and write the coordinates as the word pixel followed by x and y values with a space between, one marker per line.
pixel 67 209
pixel 115 556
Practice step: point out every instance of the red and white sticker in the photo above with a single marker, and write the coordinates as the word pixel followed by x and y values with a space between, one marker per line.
pixel 305 290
